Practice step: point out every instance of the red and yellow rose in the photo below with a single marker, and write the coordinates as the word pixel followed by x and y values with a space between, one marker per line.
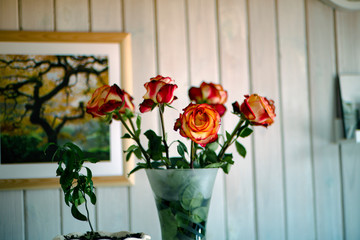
pixel 258 110
pixel 107 99
pixel 160 90
pixel 200 123
pixel 210 93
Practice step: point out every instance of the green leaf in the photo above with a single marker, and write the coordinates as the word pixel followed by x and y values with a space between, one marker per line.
pixel 245 132
pixel 212 146
pixel 226 168
pixel 137 168
pixel 200 214
pixel 215 165
pixel 126 135
pixel 155 146
pixel 171 224
pixel 228 136
pixel 191 198
pixel 89 174
pixel 138 153
pixel 240 149
pixel 138 122
pixel 77 214
pixel 92 197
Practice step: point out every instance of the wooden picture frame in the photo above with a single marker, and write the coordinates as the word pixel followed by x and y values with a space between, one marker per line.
pixel 88 41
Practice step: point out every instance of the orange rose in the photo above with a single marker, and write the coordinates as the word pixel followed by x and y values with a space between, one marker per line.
pixel 107 99
pixel 258 110
pixel 200 123
pixel 159 90
pixel 210 93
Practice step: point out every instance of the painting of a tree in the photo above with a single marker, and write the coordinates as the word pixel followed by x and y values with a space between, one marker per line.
pixel 43 100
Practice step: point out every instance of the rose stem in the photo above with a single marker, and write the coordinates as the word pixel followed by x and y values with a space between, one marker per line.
pixel 87 211
pixel 192 154
pixel 163 132
pixel 230 140
pixel 137 140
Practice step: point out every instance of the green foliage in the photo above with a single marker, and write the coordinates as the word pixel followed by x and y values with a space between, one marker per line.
pixel 21 149
pixel 75 179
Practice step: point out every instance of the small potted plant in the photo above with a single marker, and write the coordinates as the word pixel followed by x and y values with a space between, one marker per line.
pixel 77 185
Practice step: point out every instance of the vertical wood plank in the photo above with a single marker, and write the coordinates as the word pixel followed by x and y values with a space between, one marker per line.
pixel 350 158
pixel 142 205
pixel 37 15
pixel 204 66
pixel 42 206
pixel 112 209
pixel 235 79
pixel 106 15
pixel 296 120
pixel 72 15
pixel 9 15
pixel 203 41
pixel 173 60
pixel 267 142
pixel 348 37
pixel 12 215
pixel 12 225
pixel 322 71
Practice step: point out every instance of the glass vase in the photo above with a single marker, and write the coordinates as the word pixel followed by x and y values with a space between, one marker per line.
pixel 182 198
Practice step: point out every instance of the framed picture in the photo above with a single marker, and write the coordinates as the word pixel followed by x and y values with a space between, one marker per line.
pixel 350 104
pixel 46 80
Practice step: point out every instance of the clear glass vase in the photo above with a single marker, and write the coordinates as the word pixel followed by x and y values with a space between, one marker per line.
pixel 182 199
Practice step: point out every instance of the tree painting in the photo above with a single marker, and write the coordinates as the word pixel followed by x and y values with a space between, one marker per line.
pixel 43 100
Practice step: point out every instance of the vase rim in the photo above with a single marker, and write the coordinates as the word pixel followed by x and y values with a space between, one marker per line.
pixel 181 169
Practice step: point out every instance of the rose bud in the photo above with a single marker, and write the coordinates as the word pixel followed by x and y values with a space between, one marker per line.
pixel 258 110
pixel 210 93
pixel 158 91
pixel 107 99
pixel 200 123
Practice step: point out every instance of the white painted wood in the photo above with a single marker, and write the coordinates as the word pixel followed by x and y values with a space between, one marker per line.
pixel 12 225
pixel 112 209
pixel 37 15
pixel 321 58
pixel 296 120
pixel 9 15
pixel 204 66
pixel 348 37
pixel 106 15
pixel 202 41
pixel 267 142
pixel 139 21
pixel 173 61
pixel 350 158
pixel 235 79
pixel 72 15
pixel 42 207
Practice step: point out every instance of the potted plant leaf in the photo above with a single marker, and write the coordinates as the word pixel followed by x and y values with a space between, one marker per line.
pixel 78 187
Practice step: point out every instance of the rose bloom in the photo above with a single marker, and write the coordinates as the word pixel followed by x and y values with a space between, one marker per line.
pixel 258 110
pixel 159 90
pixel 200 123
pixel 210 93
pixel 107 99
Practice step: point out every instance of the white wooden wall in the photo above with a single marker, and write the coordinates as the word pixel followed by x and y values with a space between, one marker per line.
pixel 296 182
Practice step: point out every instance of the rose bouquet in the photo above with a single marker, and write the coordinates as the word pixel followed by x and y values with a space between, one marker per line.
pixel 182 196
pixel 200 122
